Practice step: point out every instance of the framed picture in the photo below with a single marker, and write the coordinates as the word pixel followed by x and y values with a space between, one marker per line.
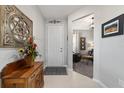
pixel 82 43
pixel 113 27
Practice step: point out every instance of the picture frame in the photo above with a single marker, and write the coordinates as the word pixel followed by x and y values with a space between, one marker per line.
pixel 82 43
pixel 113 27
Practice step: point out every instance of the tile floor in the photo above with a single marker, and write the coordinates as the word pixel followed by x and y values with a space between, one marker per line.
pixel 72 80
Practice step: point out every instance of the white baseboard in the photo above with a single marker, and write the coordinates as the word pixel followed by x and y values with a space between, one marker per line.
pixel 101 83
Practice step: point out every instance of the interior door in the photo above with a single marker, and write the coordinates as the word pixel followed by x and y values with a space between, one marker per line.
pixel 55 45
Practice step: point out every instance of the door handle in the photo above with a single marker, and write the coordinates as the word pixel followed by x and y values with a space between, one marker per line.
pixel 60 49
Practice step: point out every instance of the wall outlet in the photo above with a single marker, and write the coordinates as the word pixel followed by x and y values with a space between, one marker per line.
pixel 121 83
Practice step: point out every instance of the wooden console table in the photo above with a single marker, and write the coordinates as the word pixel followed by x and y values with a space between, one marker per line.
pixel 15 75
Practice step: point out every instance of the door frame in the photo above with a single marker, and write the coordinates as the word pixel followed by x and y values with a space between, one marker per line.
pixel 70 42
pixel 46 44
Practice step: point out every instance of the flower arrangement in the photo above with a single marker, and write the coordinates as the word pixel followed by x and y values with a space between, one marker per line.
pixel 29 49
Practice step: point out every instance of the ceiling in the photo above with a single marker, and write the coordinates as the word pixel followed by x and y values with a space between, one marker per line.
pixel 58 11
pixel 85 23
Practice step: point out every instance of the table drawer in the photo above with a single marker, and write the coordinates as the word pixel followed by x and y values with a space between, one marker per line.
pixel 14 83
pixel 33 76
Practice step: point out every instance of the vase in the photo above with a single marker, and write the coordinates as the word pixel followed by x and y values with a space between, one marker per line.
pixel 29 62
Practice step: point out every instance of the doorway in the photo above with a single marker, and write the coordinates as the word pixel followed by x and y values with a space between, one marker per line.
pixel 83 45
pixel 55 45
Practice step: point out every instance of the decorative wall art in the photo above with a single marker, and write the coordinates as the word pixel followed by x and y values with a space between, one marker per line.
pixel 113 27
pixel 15 27
pixel 82 43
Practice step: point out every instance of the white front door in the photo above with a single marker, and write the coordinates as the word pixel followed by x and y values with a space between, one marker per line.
pixel 55 45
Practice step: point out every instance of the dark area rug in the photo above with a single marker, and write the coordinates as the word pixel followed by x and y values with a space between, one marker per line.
pixel 55 71
pixel 84 68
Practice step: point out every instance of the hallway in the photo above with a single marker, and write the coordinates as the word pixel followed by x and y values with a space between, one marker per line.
pixel 50 29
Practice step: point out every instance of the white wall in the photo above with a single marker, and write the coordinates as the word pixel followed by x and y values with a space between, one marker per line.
pixel 108 53
pixel 111 50
pixel 10 54
pixel 88 34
